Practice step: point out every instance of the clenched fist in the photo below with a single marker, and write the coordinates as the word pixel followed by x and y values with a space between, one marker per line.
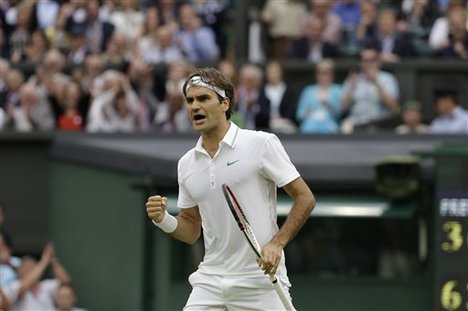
pixel 156 208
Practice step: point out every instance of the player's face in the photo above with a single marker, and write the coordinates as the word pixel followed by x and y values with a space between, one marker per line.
pixel 204 109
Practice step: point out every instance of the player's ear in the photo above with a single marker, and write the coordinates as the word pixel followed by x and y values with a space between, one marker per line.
pixel 225 104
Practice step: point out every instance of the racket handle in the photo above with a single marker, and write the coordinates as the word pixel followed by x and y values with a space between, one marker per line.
pixel 282 295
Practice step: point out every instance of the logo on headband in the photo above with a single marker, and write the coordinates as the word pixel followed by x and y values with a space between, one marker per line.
pixel 197 81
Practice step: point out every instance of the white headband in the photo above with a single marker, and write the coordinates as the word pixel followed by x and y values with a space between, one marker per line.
pixel 197 81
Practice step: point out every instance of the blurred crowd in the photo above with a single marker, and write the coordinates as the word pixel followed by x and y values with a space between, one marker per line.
pixel 119 65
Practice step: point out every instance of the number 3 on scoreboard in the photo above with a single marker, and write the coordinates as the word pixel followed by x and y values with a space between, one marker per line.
pixel 454 240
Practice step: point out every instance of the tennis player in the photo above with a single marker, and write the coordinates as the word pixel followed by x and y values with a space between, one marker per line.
pixel 253 164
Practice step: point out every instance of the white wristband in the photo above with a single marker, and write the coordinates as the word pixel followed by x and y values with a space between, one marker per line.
pixel 168 224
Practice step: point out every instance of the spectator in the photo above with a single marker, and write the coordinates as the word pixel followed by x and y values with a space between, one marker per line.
pixel 13 82
pixel 45 13
pixel 332 32
pixel 278 98
pixel 248 92
pixel 371 94
pixel 9 264
pixel 214 14
pixel 393 44
pixel 168 13
pixel 71 114
pixel 116 109
pixel 350 14
pixel 196 41
pixel 148 37
pixel 367 27
pixel 313 47
pixel 19 38
pixel 439 35
pixel 451 117
pixel 229 70
pixel 319 108
pixel 412 119
pixel 93 68
pixel 457 38
pixel 117 52
pixel 128 20
pixel 418 16
pixel 29 292
pixel 282 18
pixel 171 116
pixel 32 113
pixel 65 298
pixel 78 49
pixel 36 48
pixel 98 31
pixel 57 34
pixel 161 49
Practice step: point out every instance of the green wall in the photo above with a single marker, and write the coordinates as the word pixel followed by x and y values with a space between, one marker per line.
pixel 96 222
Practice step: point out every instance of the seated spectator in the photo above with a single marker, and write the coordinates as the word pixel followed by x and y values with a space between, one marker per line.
pixel 451 117
pixel 19 38
pixel 72 112
pixel 36 48
pixel 393 45
pixel 117 52
pixel 14 79
pixel 128 20
pixel 116 109
pixel 78 50
pixel 439 35
pixel 417 16
pixel 98 31
pixel 161 49
pixel 319 106
pixel 412 119
pixel 248 93
pixel 332 32
pixel 33 112
pixel 29 292
pixel 277 97
pixel 65 298
pixel 93 68
pixel 171 116
pixel 349 12
pixel 196 41
pixel 367 27
pixel 457 38
pixel 313 47
pixel 370 94
pixel 228 69
pixel 215 15
pixel 57 34
pixel 282 19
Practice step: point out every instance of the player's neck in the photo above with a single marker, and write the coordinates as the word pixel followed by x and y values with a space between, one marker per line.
pixel 212 138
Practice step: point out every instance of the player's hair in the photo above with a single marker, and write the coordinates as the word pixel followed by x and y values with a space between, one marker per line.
pixel 214 77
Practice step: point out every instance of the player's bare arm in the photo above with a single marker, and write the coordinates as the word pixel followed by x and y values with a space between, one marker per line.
pixel 188 227
pixel 303 204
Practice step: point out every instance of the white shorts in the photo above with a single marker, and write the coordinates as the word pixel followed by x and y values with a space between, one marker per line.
pixel 214 292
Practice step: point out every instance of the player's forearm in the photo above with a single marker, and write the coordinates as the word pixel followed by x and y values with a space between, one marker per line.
pixel 300 212
pixel 188 230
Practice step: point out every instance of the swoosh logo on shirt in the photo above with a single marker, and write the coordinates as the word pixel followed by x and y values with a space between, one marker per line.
pixel 231 163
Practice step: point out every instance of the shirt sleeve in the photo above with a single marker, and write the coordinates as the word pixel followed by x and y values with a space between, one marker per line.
pixel 184 199
pixel 276 164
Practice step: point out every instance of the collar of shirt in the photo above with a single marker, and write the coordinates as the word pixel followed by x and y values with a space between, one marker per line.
pixel 229 138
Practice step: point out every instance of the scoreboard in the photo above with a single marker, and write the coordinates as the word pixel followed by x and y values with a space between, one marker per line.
pixel 451 231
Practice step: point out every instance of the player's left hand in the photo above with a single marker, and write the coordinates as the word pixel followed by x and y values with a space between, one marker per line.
pixel 271 254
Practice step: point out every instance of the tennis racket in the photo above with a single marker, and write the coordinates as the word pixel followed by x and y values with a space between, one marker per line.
pixel 244 226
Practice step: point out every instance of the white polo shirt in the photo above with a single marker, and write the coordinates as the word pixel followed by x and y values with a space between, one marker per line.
pixel 253 164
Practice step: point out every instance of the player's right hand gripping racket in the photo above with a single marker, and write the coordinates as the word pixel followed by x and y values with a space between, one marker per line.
pixel 244 225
